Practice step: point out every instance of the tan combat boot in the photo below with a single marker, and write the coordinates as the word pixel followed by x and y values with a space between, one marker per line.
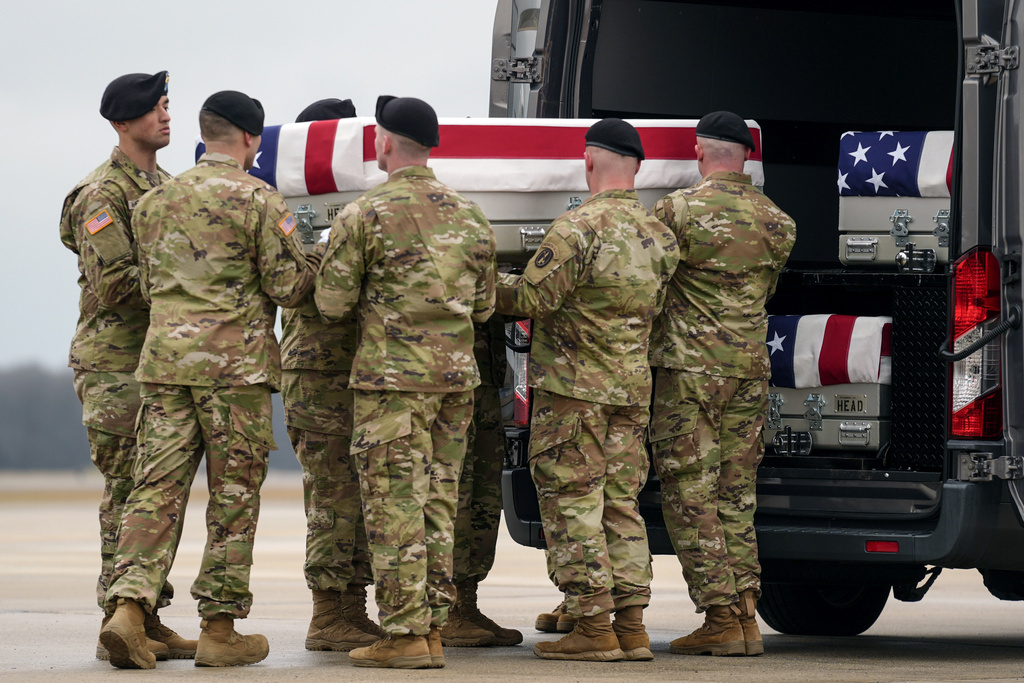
pixel 721 634
pixel 176 646
pixel 221 645
pixel 556 621
pixel 592 640
pixel 353 608
pixel 748 620
pixel 159 650
pixel 124 637
pixel 434 646
pixel 633 639
pixel 407 651
pixel 331 629
pixel 467 608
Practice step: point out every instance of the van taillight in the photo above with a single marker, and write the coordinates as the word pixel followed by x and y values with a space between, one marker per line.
pixel 522 392
pixel 976 406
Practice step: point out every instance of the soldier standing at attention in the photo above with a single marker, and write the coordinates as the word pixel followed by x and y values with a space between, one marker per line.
pixel 594 287
pixel 217 254
pixel 710 394
pixel 95 225
pixel 479 513
pixel 316 358
pixel 416 261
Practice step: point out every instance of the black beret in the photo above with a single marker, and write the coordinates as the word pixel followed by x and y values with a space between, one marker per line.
pixel 616 135
pixel 238 108
pixel 724 125
pixel 410 117
pixel 132 95
pixel 327 110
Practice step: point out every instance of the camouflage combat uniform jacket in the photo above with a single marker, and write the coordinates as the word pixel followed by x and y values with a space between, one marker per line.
pixel 594 287
pixel 419 261
pixel 95 225
pixel 733 241
pixel 219 253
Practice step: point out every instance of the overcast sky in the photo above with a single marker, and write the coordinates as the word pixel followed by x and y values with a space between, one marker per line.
pixel 58 56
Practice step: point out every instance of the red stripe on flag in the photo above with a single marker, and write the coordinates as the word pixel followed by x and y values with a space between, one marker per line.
pixel 835 349
pixel 886 340
pixel 319 157
pixel 548 142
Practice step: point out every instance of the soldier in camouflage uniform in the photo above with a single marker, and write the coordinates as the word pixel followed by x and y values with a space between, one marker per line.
pixel 316 358
pixel 95 225
pixel 479 513
pixel 594 288
pixel 416 261
pixel 217 254
pixel 710 393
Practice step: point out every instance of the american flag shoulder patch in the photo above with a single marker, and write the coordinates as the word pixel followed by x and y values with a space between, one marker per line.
pixel 287 224
pixel 98 222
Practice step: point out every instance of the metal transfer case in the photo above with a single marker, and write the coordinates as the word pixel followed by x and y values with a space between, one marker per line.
pixel 894 199
pixel 523 173
pixel 834 417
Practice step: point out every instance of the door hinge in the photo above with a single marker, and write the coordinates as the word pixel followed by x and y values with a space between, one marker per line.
pixel 986 467
pixel 517 69
pixel 991 59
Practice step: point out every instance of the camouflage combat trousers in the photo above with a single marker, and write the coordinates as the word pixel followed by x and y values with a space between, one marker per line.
pixel 318 411
pixel 409 449
pixel 589 463
pixel 706 438
pixel 110 407
pixel 479 513
pixel 232 425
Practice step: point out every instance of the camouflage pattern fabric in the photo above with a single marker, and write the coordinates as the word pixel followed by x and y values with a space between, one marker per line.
pixel 218 254
pixel 409 449
pixel 479 511
pixel 589 463
pixel 712 359
pixel 110 408
pixel 178 423
pixel 416 260
pixel 96 225
pixel 308 342
pixel 706 438
pixel 113 316
pixel 733 242
pixel 594 287
pixel 318 412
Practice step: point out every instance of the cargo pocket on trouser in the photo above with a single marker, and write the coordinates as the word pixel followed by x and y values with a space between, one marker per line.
pixel 569 501
pixel 677 460
pixel 236 467
pixel 393 514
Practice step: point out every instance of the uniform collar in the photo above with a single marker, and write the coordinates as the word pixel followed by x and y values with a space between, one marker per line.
pixel 412 172
pixel 730 175
pixel 143 179
pixel 613 194
pixel 220 158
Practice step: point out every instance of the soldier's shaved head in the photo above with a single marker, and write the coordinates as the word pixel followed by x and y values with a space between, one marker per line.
pixel 216 128
pixel 722 154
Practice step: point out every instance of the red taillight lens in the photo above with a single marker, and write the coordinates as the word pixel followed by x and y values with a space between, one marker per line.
pixel 975 291
pixel 976 399
pixel 522 394
pixel 980 419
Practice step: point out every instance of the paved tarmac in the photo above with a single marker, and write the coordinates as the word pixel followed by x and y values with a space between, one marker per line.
pixel 49 620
